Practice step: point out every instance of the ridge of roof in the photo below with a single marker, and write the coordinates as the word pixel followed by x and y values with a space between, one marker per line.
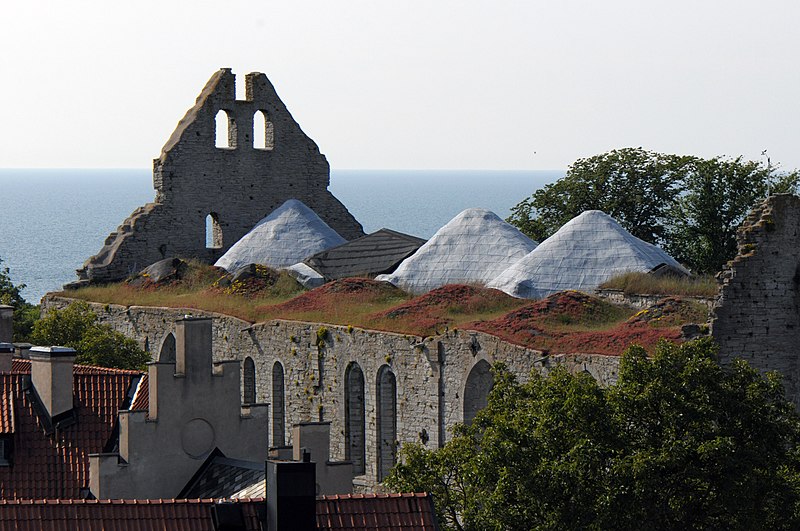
pixel 23 366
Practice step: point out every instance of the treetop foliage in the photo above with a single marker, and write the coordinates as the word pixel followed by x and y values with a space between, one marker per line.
pixel 679 442
pixel 76 327
pixel 24 313
pixel 688 205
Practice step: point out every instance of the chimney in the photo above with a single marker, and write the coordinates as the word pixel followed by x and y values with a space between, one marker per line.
pixel 6 323
pixel 193 346
pixel 51 375
pixel 6 353
pixel 291 496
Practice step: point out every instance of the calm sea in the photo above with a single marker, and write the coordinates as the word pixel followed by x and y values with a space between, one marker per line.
pixel 51 221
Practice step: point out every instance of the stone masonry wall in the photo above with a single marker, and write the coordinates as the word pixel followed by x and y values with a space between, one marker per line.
pixel 237 185
pixel 642 301
pixel 426 370
pixel 757 316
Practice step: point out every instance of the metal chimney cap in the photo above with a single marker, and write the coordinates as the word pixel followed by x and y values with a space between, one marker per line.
pixel 52 352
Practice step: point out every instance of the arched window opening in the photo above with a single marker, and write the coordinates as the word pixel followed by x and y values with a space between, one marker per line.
pixel 354 423
pixel 213 232
pixel 225 130
pixel 476 391
pixel 249 381
pixel 263 131
pixel 167 352
pixel 386 409
pixel 278 410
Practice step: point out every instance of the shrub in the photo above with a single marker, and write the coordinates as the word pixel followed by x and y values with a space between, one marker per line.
pixel 76 327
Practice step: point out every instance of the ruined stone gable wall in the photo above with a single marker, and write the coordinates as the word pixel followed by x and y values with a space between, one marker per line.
pixel 757 316
pixel 237 186
pixel 431 374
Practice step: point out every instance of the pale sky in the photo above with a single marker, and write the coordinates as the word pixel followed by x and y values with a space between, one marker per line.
pixel 408 84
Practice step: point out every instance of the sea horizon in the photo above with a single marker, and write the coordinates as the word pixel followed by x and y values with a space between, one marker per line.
pixel 52 219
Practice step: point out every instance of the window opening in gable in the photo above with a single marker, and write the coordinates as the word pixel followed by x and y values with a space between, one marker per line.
pixel 213 232
pixel 225 130
pixel 263 131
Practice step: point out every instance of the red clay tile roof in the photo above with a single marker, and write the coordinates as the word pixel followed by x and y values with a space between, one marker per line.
pixel 57 465
pixel 19 365
pixel 141 400
pixel 392 512
pixel 6 412
pixel 117 515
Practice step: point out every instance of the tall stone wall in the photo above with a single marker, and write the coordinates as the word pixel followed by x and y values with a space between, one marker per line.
pixel 757 316
pixel 236 185
pixel 431 374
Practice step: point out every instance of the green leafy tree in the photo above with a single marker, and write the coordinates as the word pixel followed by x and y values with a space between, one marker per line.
pixel 689 205
pixel 719 193
pixel 76 327
pixel 633 185
pixel 678 443
pixel 25 314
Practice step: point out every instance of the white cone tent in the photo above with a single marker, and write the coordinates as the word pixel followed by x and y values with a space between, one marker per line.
pixel 474 247
pixel 289 234
pixel 588 250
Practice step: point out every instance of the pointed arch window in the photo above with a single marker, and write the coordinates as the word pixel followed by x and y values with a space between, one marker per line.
pixel 476 390
pixel 355 425
pixel 213 231
pixel 249 381
pixel 278 408
pixel 167 352
pixel 386 409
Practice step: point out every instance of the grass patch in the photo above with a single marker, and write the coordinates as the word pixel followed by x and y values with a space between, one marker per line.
pixel 646 284
pixel 574 322
pixel 201 287
pixel 565 322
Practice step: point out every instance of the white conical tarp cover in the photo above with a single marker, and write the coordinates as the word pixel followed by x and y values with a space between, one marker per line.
pixel 474 247
pixel 588 250
pixel 288 235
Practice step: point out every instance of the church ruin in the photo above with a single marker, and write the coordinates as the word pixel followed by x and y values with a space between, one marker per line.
pixel 757 316
pixel 228 164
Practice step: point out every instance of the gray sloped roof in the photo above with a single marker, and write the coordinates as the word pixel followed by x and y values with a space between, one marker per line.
pixel 221 477
pixel 588 250
pixel 286 236
pixel 370 255
pixel 473 247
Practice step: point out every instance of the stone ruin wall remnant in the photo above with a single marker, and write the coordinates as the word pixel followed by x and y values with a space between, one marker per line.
pixel 236 185
pixel 431 374
pixel 757 316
